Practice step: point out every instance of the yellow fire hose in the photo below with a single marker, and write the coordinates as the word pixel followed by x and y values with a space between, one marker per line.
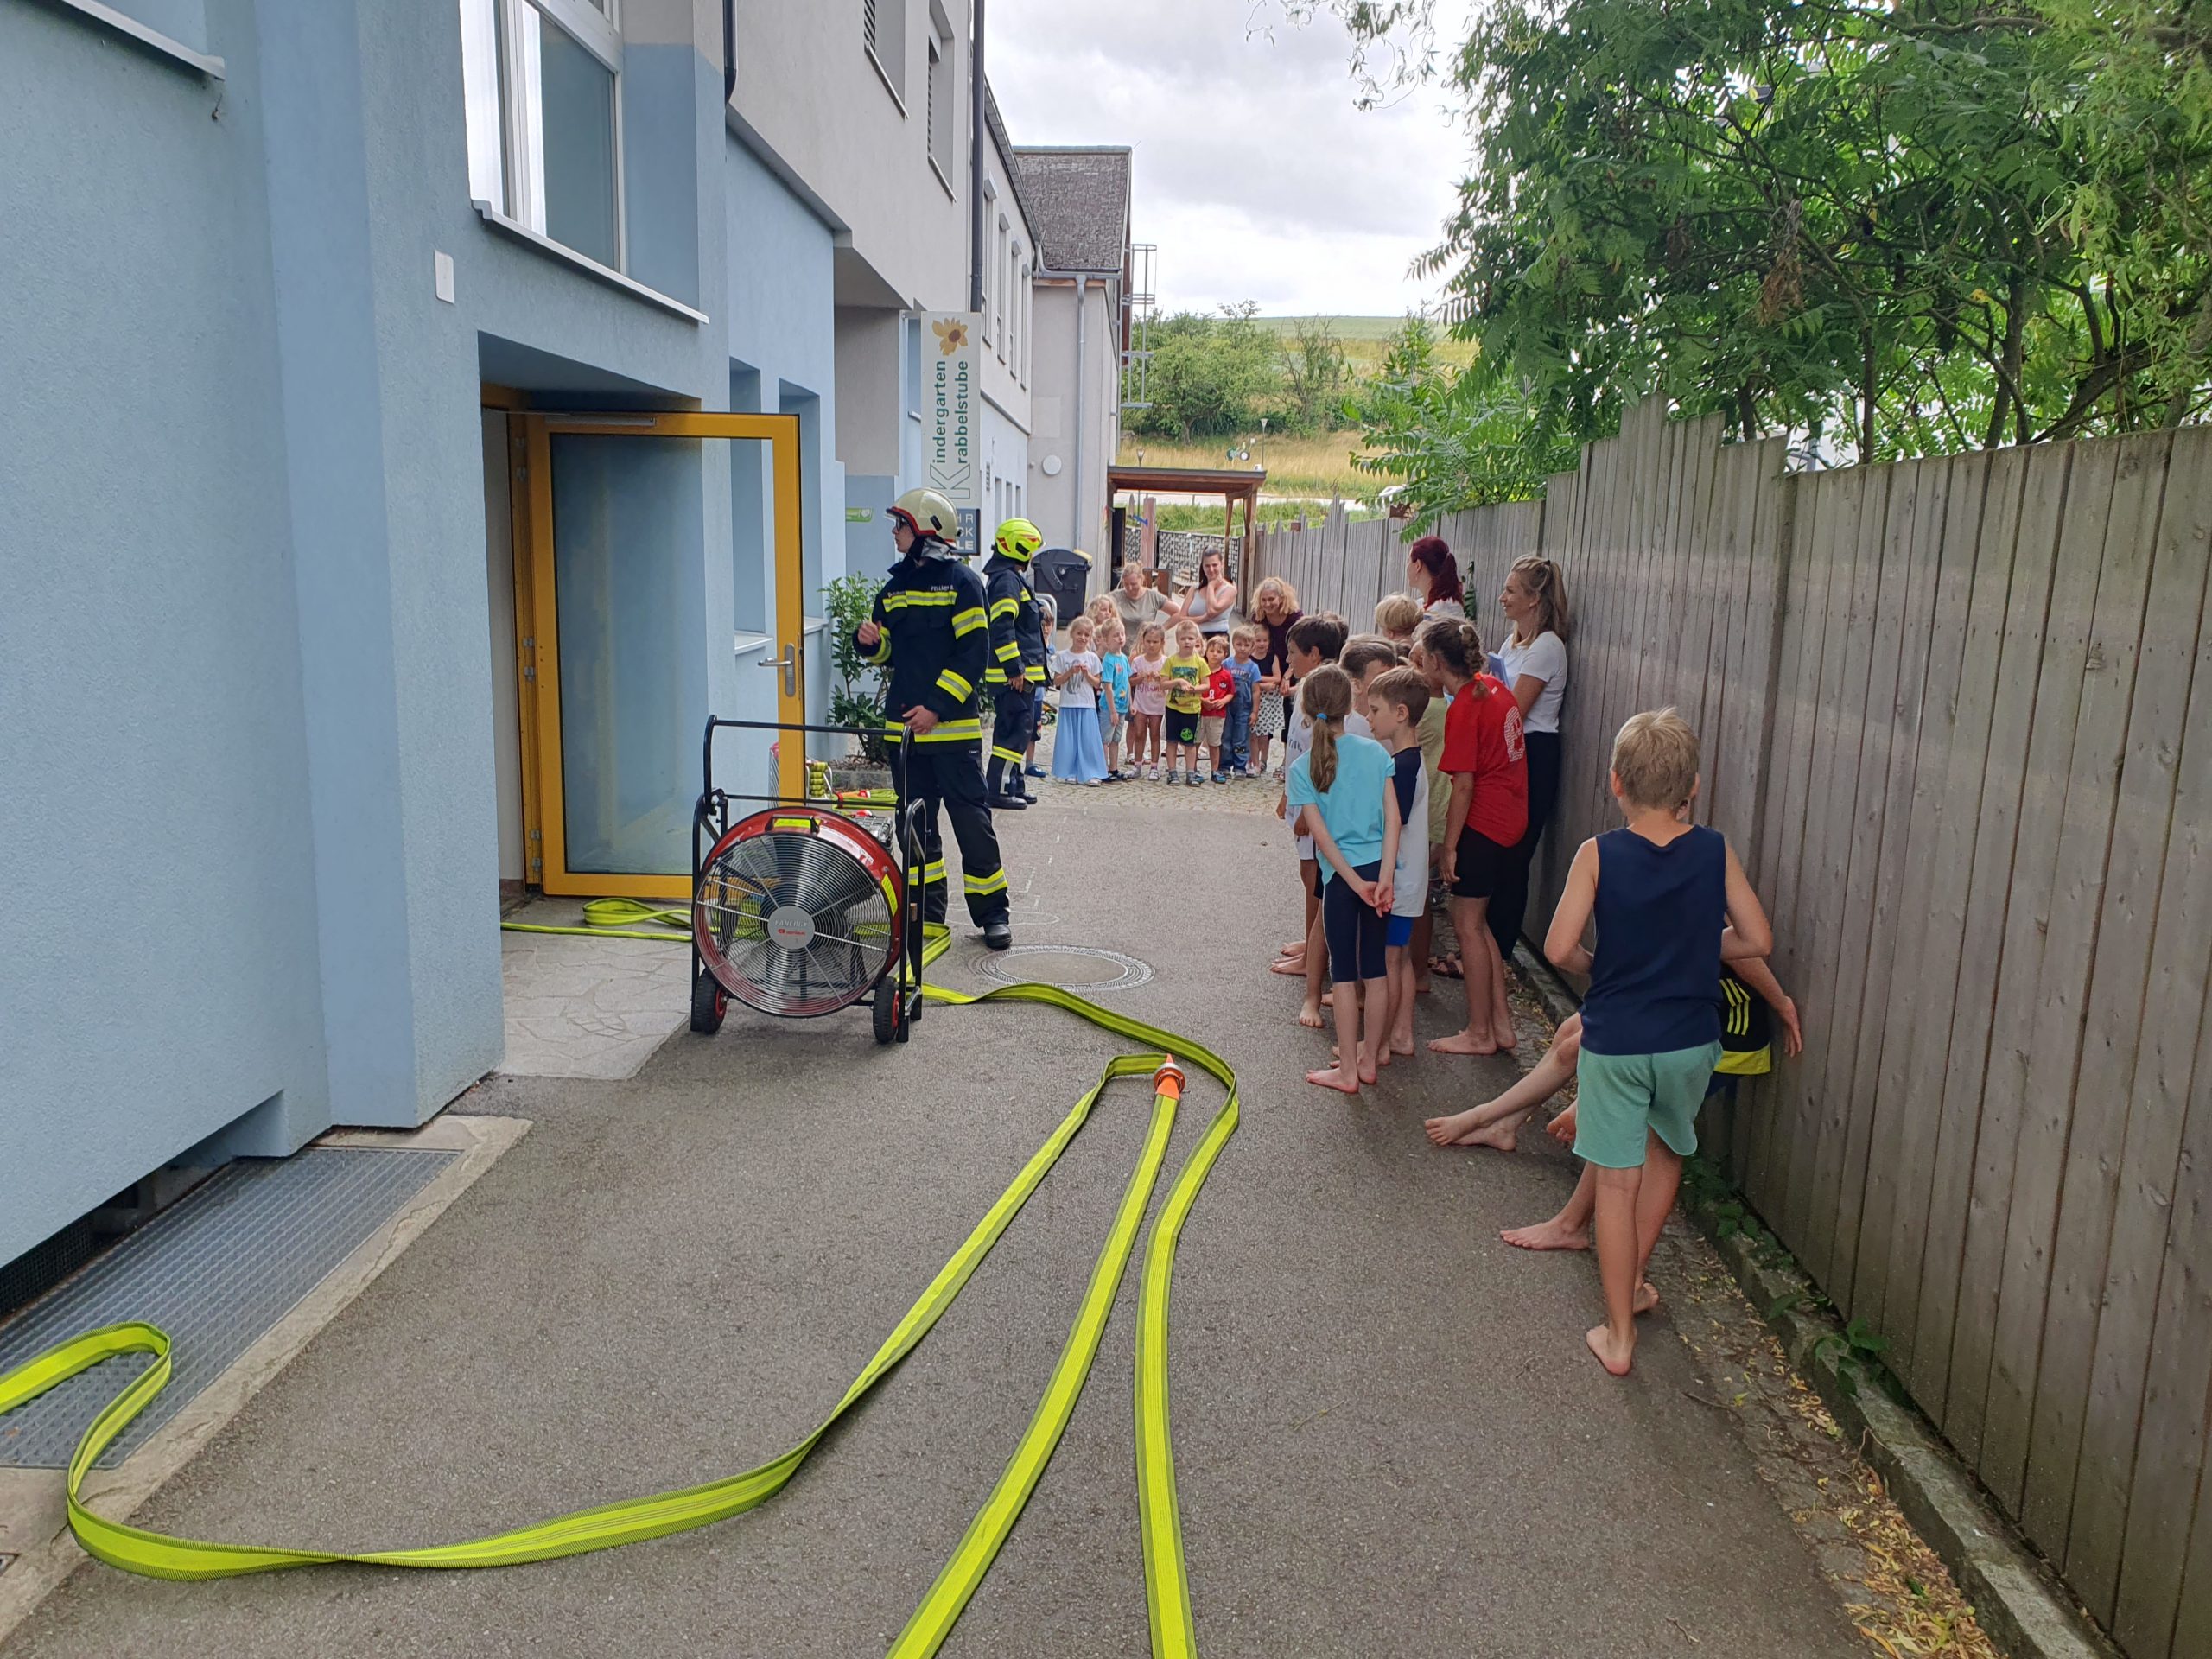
pixel 632 1520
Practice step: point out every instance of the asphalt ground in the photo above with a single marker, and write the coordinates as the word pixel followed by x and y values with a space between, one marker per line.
pixel 1390 1437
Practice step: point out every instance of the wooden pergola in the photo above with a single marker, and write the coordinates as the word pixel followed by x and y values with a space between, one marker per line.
pixel 1232 485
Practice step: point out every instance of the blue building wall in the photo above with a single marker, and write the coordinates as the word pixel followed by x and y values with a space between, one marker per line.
pixel 244 688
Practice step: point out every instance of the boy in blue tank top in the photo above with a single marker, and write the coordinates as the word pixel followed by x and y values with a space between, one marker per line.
pixel 1660 891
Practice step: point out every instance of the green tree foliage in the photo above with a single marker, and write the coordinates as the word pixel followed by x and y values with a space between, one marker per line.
pixel 1453 440
pixel 1208 374
pixel 1883 228
pixel 1316 375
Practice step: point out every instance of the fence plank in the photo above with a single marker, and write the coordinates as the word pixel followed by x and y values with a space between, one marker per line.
pixel 2138 1039
pixel 2019 839
pixel 1972 870
pixel 1887 766
pixel 2159 1565
pixel 1811 917
pixel 2036 1391
pixel 1837 924
pixel 1945 532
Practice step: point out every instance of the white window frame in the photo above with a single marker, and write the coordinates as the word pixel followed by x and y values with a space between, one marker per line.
pixel 941 58
pixel 521 188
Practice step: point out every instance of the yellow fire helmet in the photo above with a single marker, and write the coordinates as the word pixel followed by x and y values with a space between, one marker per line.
pixel 1018 539
pixel 928 513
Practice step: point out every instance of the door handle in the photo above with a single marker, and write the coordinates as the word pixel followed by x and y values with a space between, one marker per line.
pixel 788 663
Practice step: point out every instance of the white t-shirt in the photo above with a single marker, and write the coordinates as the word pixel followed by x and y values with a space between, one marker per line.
pixel 1545 658
pixel 1299 740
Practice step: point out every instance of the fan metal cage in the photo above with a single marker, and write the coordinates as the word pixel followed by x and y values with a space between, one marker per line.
pixel 796 911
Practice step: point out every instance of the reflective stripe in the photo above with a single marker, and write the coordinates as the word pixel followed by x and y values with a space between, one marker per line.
pixel 977 885
pixel 933 872
pixel 1011 755
pixel 966 622
pixel 954 731
pixel 900 598
pixel 1009 652
pixel 882 652
pixel 995 677
pixel 1006 606
pixel 955 686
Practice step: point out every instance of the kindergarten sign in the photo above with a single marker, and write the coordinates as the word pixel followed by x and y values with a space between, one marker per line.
pixel 952 396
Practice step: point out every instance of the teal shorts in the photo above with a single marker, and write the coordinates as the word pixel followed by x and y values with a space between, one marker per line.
pixel 1620 1098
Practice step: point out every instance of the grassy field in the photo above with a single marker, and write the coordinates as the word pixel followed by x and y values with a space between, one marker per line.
pixel 1366 339
pixel 1316 467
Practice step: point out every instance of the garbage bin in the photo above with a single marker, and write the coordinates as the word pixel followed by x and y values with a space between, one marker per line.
pixel 1063 574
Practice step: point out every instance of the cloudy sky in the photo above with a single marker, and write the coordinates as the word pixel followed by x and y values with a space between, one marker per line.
pixel 1256 173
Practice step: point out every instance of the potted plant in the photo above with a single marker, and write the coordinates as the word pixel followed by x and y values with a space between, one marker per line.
pixel 856 689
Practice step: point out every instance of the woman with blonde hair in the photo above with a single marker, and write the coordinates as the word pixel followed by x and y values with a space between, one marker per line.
pixel 1533 656
pixel 1274 608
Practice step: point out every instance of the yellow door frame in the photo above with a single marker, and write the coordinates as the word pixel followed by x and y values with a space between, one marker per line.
pixel 536 598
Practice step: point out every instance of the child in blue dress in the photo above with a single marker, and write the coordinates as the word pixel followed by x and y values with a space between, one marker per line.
pixel 1079 747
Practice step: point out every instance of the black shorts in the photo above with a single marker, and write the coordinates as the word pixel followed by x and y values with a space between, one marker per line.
pixel 1181 728
pixel 1482 868
pixel 1357 933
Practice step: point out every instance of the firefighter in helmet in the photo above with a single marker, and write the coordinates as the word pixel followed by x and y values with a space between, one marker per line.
pixel 928 627
pixel 1017 655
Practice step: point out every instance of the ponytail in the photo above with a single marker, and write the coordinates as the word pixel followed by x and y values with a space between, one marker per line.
pixel 1325 698
pixel 1454 642
pixel 1546 585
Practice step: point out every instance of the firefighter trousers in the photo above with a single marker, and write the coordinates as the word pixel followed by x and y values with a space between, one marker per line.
pixel 1010 734
pixel 945 775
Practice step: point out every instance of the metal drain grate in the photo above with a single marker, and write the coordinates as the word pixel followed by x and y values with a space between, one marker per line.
pixel 1076 967
pixel 215 1272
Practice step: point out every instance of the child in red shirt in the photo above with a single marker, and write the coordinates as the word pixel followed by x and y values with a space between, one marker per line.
pixel 1213 705
pixel 1486 759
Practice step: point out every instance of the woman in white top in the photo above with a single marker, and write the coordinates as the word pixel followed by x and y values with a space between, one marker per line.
pixel 1534 656
pixel 1212 603
pixel 1433 577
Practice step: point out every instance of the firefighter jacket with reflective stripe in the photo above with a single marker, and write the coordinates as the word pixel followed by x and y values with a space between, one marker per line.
pixel 935 640
pixel 1017 625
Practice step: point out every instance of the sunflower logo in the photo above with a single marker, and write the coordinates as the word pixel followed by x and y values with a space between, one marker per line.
pixel 950 336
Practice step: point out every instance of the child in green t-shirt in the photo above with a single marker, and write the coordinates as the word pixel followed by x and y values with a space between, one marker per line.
pixel 1186 674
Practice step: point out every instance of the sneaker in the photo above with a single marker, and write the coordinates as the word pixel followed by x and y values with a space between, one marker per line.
pixel 1035 772
pixel 1197 778
pixel 1092 782
pixel 1221 777
pixel 1177 776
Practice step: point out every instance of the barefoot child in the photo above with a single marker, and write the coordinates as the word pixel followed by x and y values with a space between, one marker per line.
pixel 1746 1042
pixel 1364 657
pixel 1484 758
pixel 1340 793
pixel 1660 892
pixel 1440 812
pixel 1311 641
pixel 1148 700
pixel 1186 675
pixel 1395 701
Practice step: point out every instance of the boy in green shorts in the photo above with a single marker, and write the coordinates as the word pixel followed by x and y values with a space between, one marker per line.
pixel 1660 891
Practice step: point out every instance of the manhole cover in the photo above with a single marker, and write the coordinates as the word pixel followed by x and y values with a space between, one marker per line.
pixel 1078 967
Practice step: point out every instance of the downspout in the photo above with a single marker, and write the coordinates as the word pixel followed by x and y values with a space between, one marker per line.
pixel 977 95
pixel 1082 317
pixel 729 53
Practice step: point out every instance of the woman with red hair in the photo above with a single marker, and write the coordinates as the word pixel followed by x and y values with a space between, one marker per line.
pixel 1433 576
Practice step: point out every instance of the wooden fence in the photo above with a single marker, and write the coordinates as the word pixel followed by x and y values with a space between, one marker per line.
pixel 1957 718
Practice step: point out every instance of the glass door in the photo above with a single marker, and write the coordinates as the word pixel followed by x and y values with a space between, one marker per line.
pixel 654 539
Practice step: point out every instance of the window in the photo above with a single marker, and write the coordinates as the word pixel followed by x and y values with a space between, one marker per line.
pixel 1022 289
pixel 943 102
pixel 883 33
pixel 542 83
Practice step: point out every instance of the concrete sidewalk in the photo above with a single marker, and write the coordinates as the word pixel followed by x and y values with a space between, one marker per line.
pixel 1390 1437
